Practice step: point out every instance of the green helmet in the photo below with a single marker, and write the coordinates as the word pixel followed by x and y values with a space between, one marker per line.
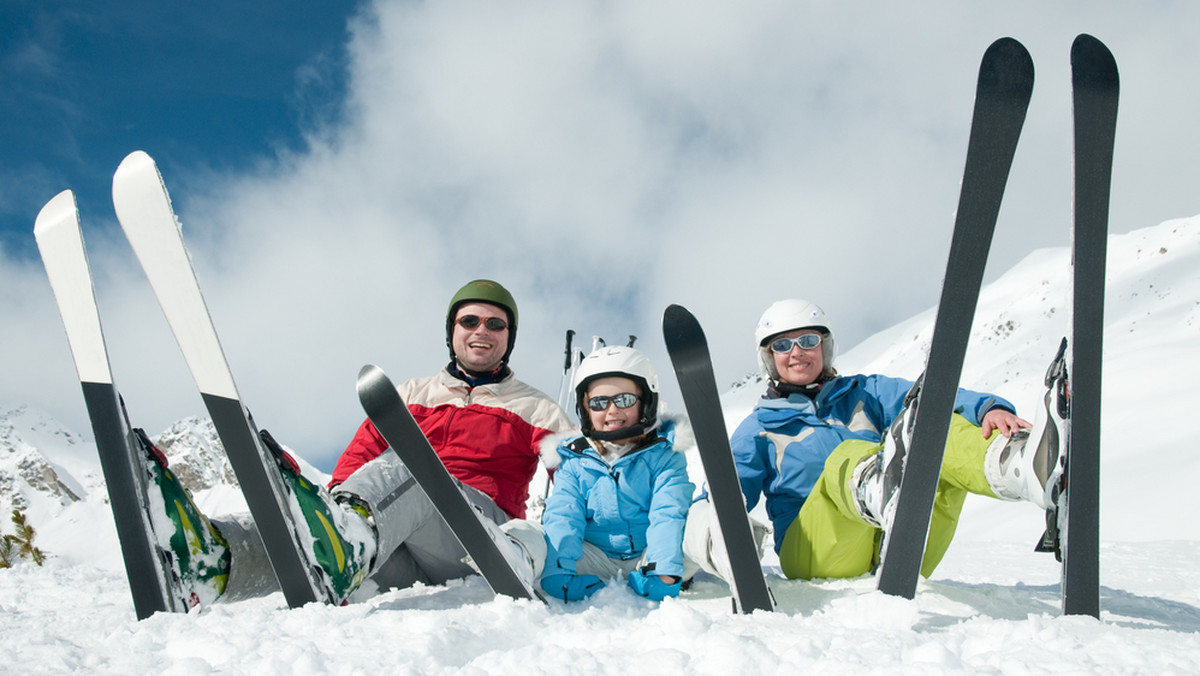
pixel 483 291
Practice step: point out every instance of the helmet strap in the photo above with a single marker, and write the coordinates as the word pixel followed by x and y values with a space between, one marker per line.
pixel 783 390
pixel 616 435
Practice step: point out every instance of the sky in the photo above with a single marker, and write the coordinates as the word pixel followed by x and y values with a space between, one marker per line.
pixel 341 169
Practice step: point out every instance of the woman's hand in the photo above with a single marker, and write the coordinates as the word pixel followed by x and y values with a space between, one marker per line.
pixel 1005 421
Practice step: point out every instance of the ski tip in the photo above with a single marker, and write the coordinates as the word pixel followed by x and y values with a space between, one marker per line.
pixel 682 332
pixel 1009 61
pixel 1086 44
pixel 676 313
pixel 369 376
pixel 60 207
pixel 675 319
pixel 1091 55
pixel 1009 48
pixel 135 162
pixel 138 157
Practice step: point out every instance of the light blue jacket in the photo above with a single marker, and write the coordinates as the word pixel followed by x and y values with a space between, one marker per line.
pixel 637 505
pixel 850 407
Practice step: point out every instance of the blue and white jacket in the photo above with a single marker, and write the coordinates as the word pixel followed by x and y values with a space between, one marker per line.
pixel 637 505
pixel 808 429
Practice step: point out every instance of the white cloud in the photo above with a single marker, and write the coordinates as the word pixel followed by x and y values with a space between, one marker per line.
pixel 604 159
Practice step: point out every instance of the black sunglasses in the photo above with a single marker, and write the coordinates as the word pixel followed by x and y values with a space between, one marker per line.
pixel 492 323
pixel 622 400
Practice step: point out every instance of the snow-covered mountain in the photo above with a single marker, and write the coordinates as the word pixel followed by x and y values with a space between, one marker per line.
pixel 991 606
pixel 43 466
pixel 1151 339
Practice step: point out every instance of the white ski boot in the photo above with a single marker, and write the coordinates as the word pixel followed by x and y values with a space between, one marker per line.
pixel 876 480
pixel 1030 464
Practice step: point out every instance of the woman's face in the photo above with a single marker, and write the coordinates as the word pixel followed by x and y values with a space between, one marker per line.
pixel 611 417
pixel 798 366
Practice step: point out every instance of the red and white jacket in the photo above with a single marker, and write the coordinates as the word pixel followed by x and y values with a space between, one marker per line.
pixel 488 436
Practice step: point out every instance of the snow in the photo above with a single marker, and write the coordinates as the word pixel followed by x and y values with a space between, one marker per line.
pixel 991 607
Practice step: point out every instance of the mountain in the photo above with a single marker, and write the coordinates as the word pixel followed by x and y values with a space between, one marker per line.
pixel 54 475
pixel 43 466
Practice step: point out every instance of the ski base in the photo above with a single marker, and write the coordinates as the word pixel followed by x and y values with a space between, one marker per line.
pixel 688 349
pixel 144 210
pixel 1002 98
pixel 1095 86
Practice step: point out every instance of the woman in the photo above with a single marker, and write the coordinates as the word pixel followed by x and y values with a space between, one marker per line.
pixel 814 446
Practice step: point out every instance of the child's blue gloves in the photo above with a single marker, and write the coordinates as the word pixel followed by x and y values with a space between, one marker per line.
pixel 571 587
pixel 652 586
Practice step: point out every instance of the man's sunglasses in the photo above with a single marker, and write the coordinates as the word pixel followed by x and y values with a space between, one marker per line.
pixel 492 323
pixel 622 400
pixel 806 342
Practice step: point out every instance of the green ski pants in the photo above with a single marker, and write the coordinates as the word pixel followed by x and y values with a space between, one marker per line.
pixel 829 539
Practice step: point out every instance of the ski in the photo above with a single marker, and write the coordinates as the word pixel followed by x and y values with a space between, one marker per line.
pixel 482 539
pixel 152 582
pixel 1002 97
pixel 144 210
pixel 1096 88
pixel 688 349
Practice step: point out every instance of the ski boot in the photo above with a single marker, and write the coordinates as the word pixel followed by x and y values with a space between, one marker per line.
pixel 876 480
pixel 1030 464
pixel 193 550
pixel 343 534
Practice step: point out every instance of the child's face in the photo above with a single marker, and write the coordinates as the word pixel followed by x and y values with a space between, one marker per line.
pixel 612 417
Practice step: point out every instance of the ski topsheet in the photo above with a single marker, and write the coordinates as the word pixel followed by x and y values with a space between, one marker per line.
pixel 1096 88
pixel 1001 100
pixel 688 349
pixel 480 537
pixel 151 581
pixel 144 209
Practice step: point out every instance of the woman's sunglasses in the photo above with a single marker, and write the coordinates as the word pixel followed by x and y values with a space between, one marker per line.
pixel 806 342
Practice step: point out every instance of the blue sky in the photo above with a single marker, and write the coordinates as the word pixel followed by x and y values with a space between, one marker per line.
pixel 340 169
pixel 215 86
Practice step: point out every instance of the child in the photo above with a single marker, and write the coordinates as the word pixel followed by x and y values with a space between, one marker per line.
pixel 621 490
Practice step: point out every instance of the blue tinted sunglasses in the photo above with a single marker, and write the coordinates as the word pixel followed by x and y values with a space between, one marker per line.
pixel 807 341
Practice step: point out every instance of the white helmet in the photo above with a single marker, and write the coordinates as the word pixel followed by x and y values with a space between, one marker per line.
pixel 789 315
pixel 624 362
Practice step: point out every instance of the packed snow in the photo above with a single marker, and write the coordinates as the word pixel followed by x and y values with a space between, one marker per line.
pixel 991 607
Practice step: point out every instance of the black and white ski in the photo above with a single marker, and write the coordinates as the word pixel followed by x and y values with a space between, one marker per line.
pixel 1096 89
pixel 482 538
pixel 144 209
pixel 1001 100
pixel 154 584
pixel 688 349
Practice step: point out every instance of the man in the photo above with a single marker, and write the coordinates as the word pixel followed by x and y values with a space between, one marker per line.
pixel 485 425
pixel 376 522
